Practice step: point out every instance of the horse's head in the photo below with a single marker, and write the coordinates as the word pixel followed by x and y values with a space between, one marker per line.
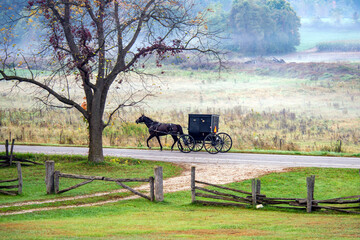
pixel 140 119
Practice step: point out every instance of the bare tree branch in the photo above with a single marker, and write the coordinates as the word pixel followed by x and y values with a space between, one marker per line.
pixel 48 89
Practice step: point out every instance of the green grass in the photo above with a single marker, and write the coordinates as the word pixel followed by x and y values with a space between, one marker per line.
pixel 329 183
pixel 177 218
pixel 312 153
pixel 339 46
pixel 139 219
pixel 33 176
pixel 310 37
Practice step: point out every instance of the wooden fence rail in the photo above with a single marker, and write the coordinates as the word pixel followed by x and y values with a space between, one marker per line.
pixel 9 158
pixel 53 182
pixel 19 185
pixel 90 179
pixel 255 198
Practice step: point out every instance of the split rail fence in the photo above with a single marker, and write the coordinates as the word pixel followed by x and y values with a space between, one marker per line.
pixel 53 182
pixel 255 198
pixel 9 158
pixel 19 184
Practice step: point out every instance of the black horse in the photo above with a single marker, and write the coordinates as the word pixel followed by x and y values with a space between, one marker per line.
pixel 157 129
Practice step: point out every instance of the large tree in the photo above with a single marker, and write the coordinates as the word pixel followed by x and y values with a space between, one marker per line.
pixel 92 45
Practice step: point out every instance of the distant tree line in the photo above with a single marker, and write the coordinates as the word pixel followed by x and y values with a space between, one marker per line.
pixel 264 26
pixel 257 27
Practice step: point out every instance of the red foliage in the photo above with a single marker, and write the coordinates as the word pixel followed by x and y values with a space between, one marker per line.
pixel 82 36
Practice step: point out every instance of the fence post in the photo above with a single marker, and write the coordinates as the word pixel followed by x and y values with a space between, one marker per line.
pixel 310 183
pixel 253 191
pixel 7 147
pixel 20 178
pixel 56 181
pixel 159 193
pixel 258 186
pixel 49 177
pixel 152 193
pixel 11 152
pixel 193 184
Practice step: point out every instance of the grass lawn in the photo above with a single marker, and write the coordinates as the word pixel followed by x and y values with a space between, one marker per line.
pixel 329 183
pixel 34 184
pixel 177 218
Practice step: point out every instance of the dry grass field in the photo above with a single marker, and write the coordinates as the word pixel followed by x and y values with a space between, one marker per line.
pixel 293 106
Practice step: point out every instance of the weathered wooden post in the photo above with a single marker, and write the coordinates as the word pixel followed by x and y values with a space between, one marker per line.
pixel 310 183
pixel 11 152
pixel 258 186
pixel 159 192
pixel 56 181
pixel 7 147
pixel 253 191
pixel 49 177
pixel 193 184
pixel 20 178
pixel 152 192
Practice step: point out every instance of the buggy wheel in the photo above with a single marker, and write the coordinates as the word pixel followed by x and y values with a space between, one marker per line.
pixel 198 146
pixel 212 143
pixel 186 143
pixel 226 142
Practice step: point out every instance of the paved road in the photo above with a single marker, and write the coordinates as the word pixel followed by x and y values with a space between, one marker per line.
pixel 203 157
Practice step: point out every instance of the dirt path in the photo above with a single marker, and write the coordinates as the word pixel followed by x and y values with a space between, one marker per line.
pixel 212 173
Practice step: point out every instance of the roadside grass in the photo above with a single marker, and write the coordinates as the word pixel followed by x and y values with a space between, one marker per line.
pixel 232 150
pixel 177 218
pixel 33 176
pixel 312 153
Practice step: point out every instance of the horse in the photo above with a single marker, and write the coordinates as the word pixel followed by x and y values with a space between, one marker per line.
pixel 157 129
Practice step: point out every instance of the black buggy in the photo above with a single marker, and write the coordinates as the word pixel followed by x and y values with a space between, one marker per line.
pixel 203 130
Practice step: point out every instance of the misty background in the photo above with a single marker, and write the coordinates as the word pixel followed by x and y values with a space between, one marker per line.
pixel 247 27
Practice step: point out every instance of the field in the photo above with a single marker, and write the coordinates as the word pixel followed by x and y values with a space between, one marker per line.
pixel 310 37
pixel 293 106
pixel 176 217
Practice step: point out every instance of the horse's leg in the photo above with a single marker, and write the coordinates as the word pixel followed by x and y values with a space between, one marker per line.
pixel 147 141
pixel 157 137
pixel 175 140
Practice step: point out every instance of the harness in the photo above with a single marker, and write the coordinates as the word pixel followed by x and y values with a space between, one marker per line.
pixel 169 129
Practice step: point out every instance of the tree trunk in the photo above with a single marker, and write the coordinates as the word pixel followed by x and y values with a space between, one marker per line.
pixel 95 134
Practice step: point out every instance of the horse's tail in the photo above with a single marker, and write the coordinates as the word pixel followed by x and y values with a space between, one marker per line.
pixel 180 130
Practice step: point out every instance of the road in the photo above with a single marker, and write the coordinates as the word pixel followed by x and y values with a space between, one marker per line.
pixel 206 158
